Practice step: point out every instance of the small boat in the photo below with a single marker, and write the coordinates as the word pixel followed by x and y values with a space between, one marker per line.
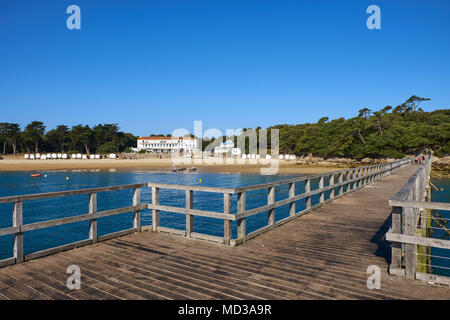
pixel 36 175
pixel 192 169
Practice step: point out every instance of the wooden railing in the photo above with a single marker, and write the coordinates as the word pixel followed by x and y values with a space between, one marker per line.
pixel 409 222
pixel 339 183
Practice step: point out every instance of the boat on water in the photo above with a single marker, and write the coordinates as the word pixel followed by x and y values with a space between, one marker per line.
pixel 36 175
pixel 175 169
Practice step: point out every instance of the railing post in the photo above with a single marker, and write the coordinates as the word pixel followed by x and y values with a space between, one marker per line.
pixel 93 222
pixel 227 226
pixel 348 178
pixel 341 180
pixel 322 194
pixel 396 247
pixel 308 190
pixel 241 223
pixel 271 200
pixel 354 176
pixel 331 184
pixel 410 249
pixel 189 217
pixel 18 237
pixel 155 212
pixel 292 195
pixel 137 213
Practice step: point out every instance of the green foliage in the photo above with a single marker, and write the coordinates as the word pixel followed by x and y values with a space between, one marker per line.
pixel 406 130
pixel 103 138
pixel 108 147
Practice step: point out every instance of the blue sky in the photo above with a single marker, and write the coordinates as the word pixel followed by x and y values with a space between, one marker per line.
pixel 155 66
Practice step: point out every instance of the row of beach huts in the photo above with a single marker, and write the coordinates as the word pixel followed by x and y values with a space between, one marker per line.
pixel 57 156
pixel 281 156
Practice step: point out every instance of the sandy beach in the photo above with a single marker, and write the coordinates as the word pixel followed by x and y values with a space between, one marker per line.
pixel 285 167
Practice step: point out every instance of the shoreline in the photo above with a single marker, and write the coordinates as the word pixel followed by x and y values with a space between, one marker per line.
pixel 156 165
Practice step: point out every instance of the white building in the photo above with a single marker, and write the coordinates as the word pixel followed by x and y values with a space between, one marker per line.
pixel 168 144
pixel 227 148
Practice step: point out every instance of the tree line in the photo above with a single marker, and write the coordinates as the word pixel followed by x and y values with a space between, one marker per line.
pixel 388 132
pixel 102 138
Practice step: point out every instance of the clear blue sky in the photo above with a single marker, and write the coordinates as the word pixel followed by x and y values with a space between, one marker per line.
pixel 157 65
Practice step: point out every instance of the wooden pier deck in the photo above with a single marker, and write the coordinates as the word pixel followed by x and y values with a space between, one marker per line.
pixel 322 255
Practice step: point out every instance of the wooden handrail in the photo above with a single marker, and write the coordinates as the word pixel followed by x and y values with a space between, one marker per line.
pixel 407 207
pixel 354 179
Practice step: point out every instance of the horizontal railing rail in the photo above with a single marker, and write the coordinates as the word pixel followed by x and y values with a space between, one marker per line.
pixel 339 183
pixel 410 229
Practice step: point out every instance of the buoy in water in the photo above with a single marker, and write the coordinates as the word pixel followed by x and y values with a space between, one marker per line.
pixel 67 178
pixel 200 180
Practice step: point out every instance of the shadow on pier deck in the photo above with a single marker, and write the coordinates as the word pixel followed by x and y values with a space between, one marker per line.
pixel 322 255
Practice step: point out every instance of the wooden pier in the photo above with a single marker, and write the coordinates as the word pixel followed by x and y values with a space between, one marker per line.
pixel 321 252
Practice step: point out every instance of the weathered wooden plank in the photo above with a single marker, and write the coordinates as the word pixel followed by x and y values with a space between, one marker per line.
pixel 54 250
pixel 193 188
pixel 137 213
pixel 433 278
pixel 291 196
pixel 9 230
pixel 209 214
pixel 69 193
pixel 207 237
pixel 271 201
pixel 396 248
pixel 79 218
pixel 420 204
pixel 116 234
pixel 93 222
pixel 241 223
pixel 7 262
pixel 321 187
pixel 155 212
pixel 189 217
pixel 18 237
pixel 227 224
pixel 415 240
pixel 307 191
pixel 171 230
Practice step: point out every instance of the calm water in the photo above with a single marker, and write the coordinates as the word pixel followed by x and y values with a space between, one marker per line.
pixel 441 265
pixel 15 183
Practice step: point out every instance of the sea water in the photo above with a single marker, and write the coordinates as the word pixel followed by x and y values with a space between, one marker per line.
pixel 19 183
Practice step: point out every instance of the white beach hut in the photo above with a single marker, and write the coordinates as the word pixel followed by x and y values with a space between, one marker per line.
pixel 79 156
pixel 112 156
pixel 26 156
pixel 97 156
pixel 43 157
pixel 92 156
pixel 74 156
pixel 54 156
pixel 59 155
pixel 38 155
pixel 64 156
pixel 32 156
pixel 84 157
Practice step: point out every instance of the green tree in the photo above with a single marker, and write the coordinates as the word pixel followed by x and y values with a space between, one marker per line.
pixel 82 135
pixel 13 135
pixel 34 133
